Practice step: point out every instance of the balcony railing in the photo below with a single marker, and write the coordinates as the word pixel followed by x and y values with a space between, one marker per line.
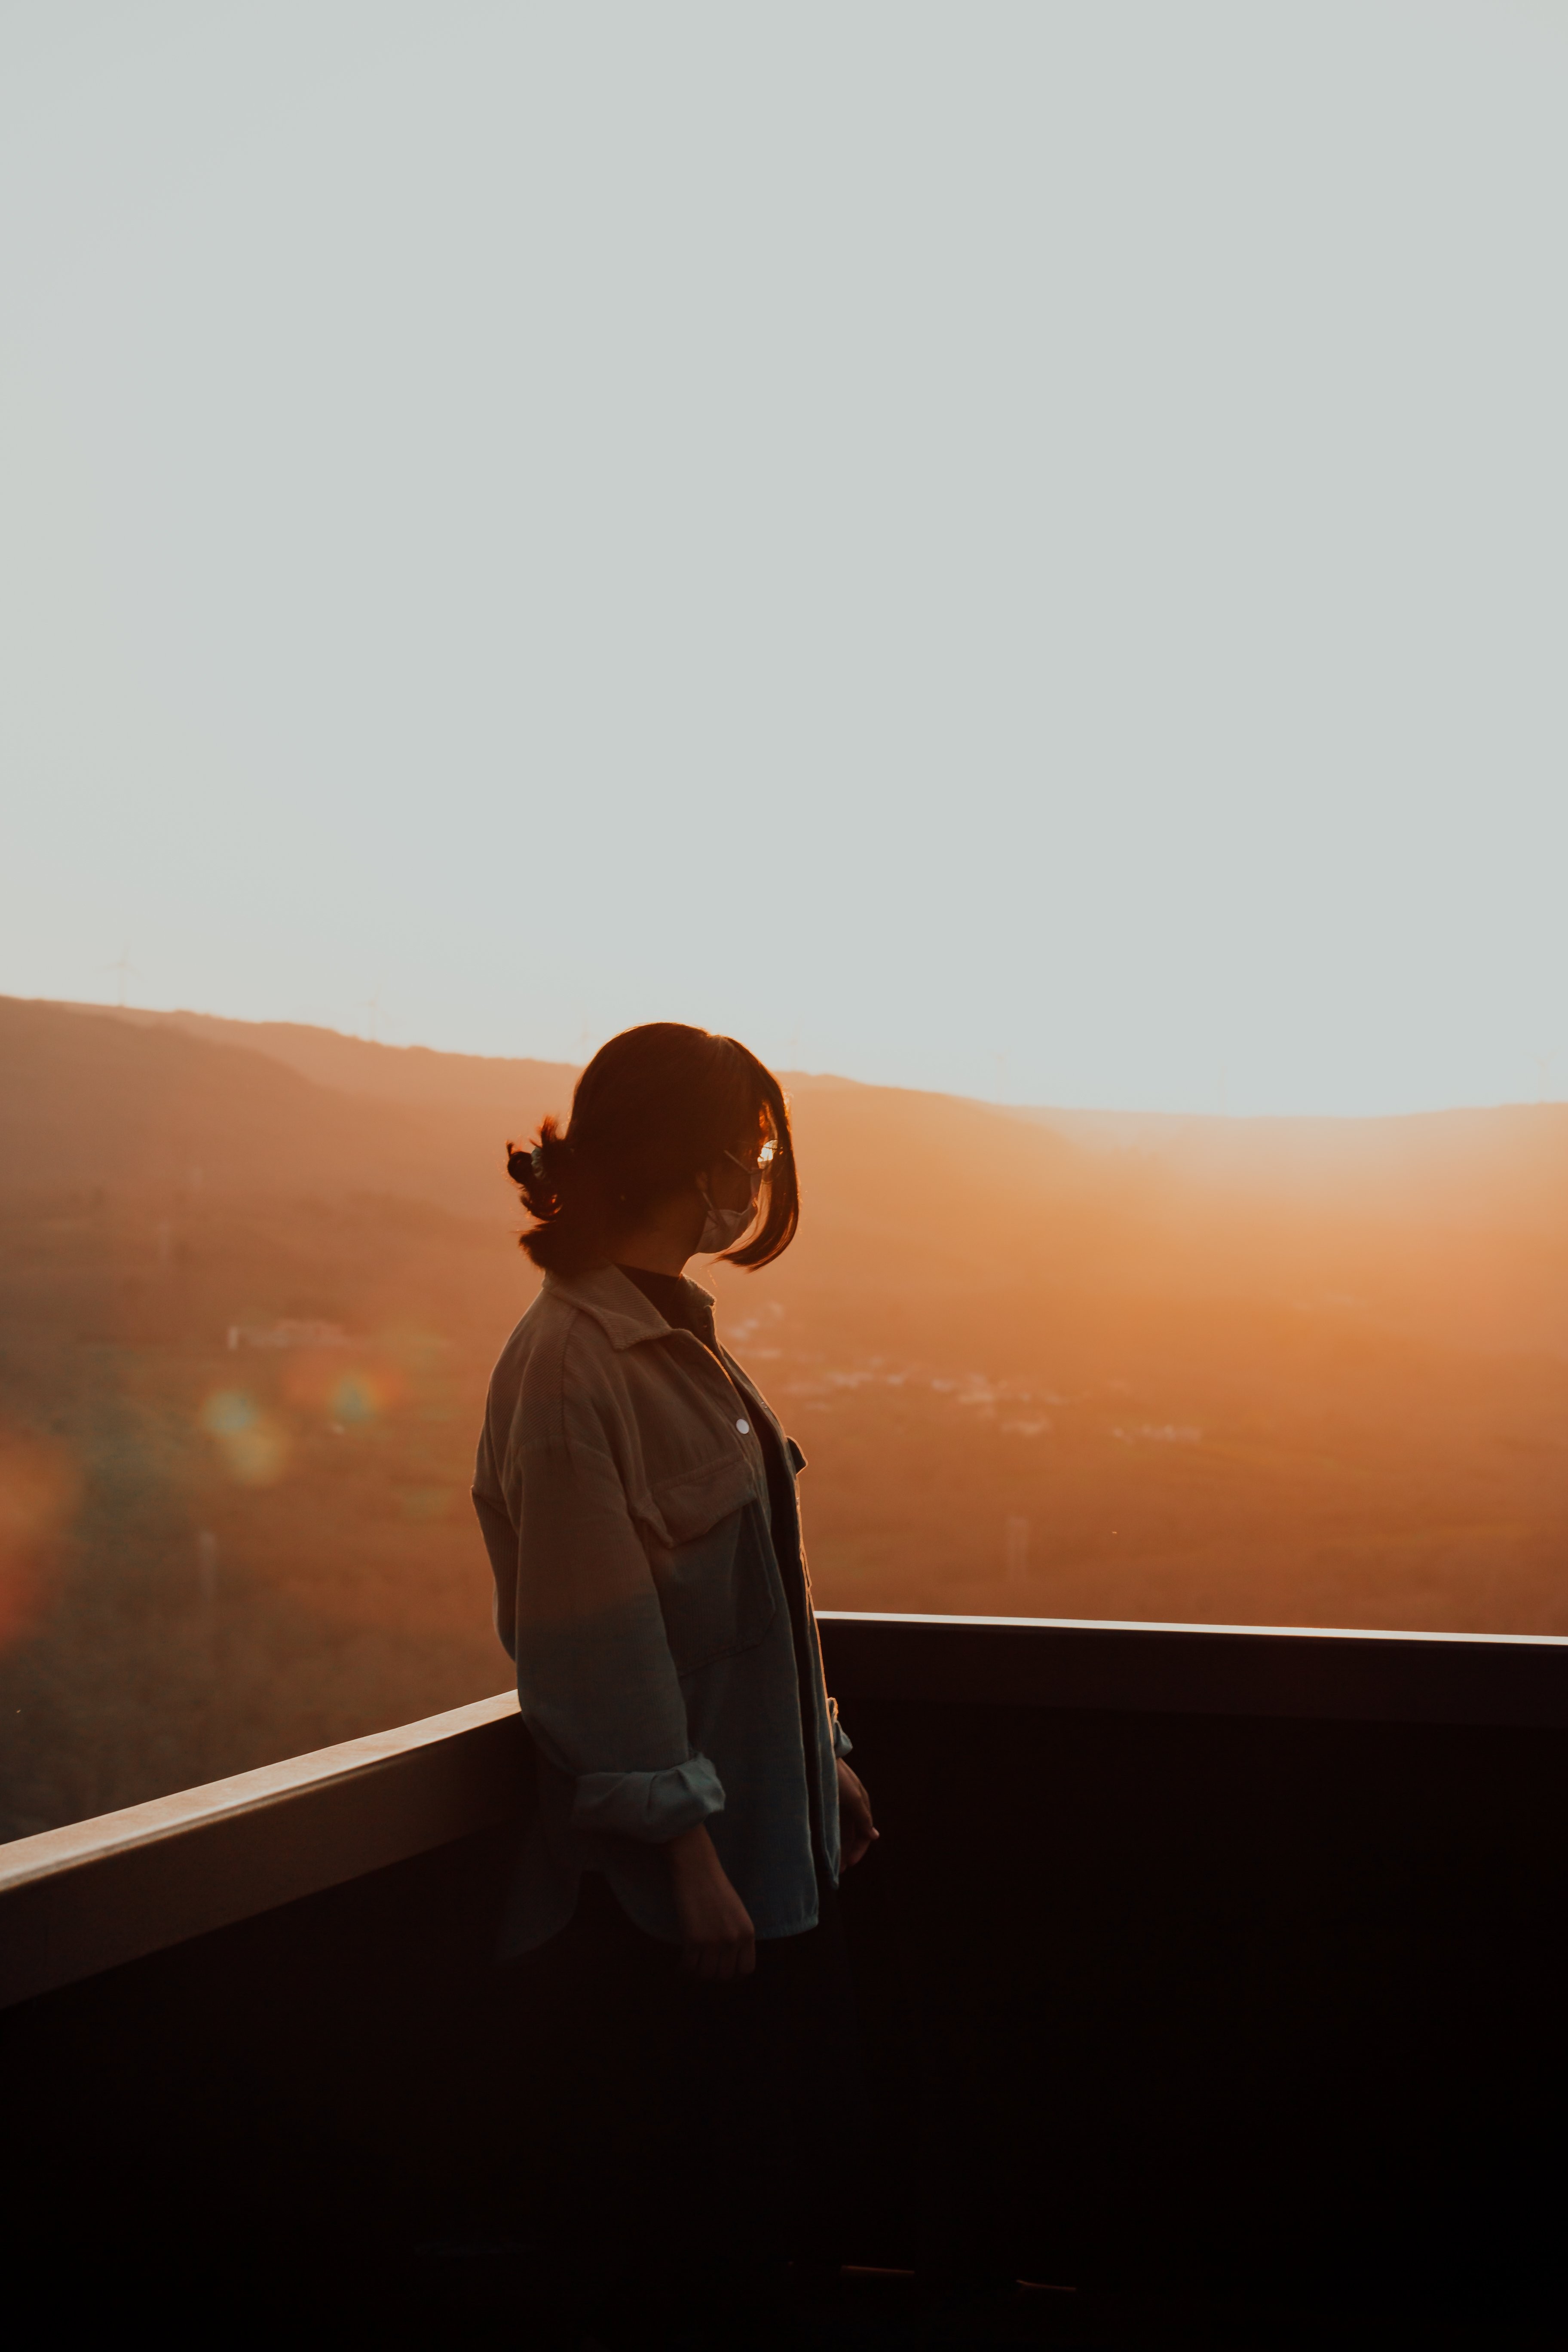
pixel 1204 1960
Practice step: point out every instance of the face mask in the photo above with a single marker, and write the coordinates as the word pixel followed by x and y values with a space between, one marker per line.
pixel 723 1228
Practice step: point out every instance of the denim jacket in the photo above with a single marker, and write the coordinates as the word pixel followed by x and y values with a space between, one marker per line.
pixel 623 1492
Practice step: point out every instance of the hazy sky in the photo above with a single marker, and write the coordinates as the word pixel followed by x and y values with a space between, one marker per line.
pixel 1018 548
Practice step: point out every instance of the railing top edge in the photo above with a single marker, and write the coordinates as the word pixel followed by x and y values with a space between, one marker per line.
pixel 1145 1625
pixel 51 1852
pixel 77 1844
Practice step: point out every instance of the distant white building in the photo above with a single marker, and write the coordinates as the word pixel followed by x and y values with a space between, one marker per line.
pixel 287 1334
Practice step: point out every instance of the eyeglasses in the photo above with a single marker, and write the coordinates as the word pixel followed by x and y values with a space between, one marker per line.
pixel 759 1167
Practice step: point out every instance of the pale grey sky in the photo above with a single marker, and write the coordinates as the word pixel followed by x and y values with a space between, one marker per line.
pixel 1018 548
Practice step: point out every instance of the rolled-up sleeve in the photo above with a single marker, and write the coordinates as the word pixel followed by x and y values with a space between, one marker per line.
pixel 596 1680
pixel 652 1806
pixel 842 1743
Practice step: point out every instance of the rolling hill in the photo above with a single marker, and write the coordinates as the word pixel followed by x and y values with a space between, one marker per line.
pixel 252 1277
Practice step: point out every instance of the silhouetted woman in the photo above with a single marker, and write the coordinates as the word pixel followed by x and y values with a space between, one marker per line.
pixel 687 2007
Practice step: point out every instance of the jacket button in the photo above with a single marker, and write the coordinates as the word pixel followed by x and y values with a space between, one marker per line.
pixel 744 1427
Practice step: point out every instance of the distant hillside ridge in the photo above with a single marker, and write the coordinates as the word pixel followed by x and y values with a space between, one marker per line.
pixel 415 1075
pixel 422 1075
pixel 1454 1224
pixel 110 1095
pixel 89 1100
pixel 1467 1165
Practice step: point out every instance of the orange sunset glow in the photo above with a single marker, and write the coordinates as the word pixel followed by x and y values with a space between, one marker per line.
pixel 784 1173
pixel 1297 1372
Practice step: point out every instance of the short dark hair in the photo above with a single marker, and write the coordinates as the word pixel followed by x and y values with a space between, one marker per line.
pixel 653 1106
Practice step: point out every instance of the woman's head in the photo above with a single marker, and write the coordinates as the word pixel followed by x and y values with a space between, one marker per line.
pixel 655 1109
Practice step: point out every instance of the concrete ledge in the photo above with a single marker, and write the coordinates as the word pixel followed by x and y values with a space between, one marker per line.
pixel 78 1900
pixel 1306 1672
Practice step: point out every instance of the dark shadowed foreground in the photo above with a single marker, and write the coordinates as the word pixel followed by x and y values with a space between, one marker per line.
pixel 1210 1986
pixel 252 1278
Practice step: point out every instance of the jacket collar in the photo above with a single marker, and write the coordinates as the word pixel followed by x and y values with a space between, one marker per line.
pixel 623 1313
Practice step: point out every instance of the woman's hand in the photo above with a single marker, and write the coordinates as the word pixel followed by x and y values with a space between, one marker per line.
pixel 858 1832
pixel 718 1939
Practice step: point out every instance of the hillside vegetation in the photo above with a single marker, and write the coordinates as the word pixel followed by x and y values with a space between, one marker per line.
pixel 1040 1364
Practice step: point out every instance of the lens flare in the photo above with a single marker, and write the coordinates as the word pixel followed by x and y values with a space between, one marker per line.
pixel 357 1398
pixel 255 1450
pixel 38 1494
pixel 349 1396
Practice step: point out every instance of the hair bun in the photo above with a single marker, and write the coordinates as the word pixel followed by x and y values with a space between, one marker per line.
pixel 539 1170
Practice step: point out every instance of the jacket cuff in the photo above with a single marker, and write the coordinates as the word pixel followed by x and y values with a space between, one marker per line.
pixel 652 1807
pixel 842 1743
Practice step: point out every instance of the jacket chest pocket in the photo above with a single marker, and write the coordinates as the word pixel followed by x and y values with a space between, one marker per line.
pixel 716 1590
